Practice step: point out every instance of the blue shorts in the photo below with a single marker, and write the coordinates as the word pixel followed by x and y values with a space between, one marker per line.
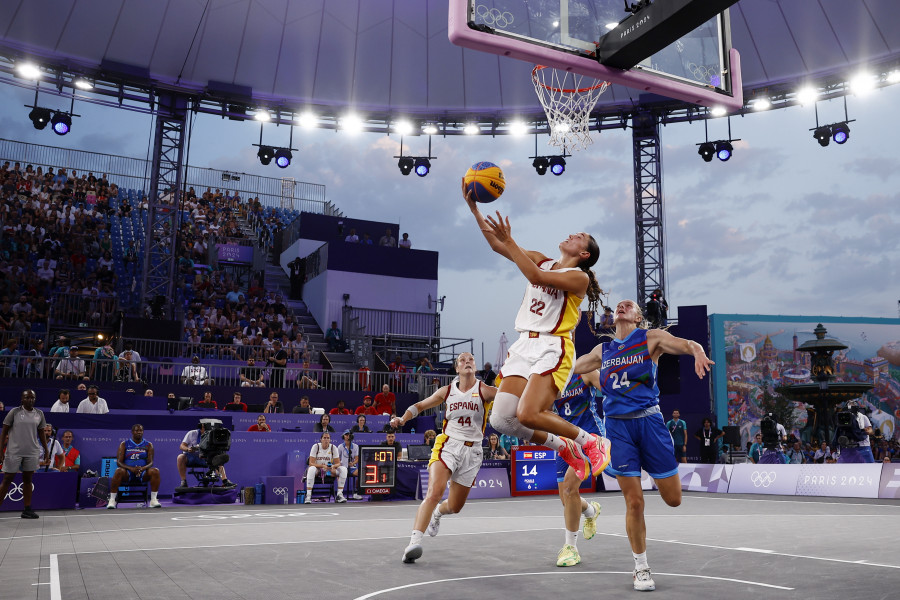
pixel 640 443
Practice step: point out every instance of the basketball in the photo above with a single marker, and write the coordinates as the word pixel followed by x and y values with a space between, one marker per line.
pixel 485 181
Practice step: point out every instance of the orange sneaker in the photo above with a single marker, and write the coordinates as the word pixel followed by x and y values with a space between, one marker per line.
pixel 576 459
pixel 597 451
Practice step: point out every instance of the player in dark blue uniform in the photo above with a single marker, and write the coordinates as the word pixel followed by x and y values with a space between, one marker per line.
pixel 135 462
pixel 577 404
pixel 634 423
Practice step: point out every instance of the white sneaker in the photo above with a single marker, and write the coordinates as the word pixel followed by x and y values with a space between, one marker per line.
pixel 307 499
pixel 356 497
pixel 433 526
pixel 111 505
pixel 340 499
pixel 155 504
pixel 412 552
pixel 643 582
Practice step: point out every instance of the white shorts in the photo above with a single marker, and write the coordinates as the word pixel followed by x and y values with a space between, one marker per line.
pixel 463 460
pixel 541 354
pixel 14 464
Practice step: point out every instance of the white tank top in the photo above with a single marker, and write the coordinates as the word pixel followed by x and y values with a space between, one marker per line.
pixel 466 414
pixel 547 309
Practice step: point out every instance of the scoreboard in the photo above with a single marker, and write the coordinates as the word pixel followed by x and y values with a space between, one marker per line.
pixel 533 471
pixel 377 469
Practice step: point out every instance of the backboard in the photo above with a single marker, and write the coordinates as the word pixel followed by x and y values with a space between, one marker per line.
pixel 700 67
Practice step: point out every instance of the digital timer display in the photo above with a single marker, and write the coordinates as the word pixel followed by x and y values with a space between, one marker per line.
pixel 377 469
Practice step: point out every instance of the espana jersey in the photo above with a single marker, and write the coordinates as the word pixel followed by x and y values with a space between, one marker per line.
pixel 466 414
pixel 578 405
pixel 628 375
pixel 136 454
pixel 547 309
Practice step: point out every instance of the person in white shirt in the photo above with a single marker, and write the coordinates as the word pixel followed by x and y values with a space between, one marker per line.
pixel 59 457
pixel 325 458
pixel 93 404
pixel 62 402
pixel 71 367
pixel 195 374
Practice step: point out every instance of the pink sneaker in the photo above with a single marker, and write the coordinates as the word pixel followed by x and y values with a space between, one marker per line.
pixel 597 451
pixel 576 459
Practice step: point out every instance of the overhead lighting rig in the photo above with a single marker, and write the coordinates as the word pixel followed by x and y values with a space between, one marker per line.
pixel 421 165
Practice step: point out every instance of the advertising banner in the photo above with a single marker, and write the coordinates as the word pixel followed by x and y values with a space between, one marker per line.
pixel 491 482
pixel 704 478
pixel 890 481
pixel 841 480
pixel 235 253
pixel 279 490
pixel 50 491
pixel 764 479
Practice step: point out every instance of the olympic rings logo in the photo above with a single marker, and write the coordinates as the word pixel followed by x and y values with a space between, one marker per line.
pixel 281 491
pixel 16 492
pixel 703 73
pixel 494 17
pixel 762 478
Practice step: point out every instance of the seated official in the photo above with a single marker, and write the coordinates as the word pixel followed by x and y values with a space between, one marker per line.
pixel 274 405
pixel 324 461
pixel 391 440
pixel 360 426
pixel 135 466
pixel 208 402
pixel 350 457
pixel 303 408
pixel 62 402
pixel 260 425
pixel 190 456
pixel 324 425
pixel 72 456
pixel 236 404
pixel 430 436
pixel 494 451
pixel 93 404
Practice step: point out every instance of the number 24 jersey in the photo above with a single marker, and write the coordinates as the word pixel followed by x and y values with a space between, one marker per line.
pixel 628 375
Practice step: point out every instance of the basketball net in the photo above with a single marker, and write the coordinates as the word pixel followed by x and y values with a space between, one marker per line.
pixel 568 99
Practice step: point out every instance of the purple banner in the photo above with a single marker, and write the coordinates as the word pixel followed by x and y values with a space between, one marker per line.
pixel 51 491
pixel 491 482
pixel 890 481
pixel 279 490
pixel 704 478
pixel 235 253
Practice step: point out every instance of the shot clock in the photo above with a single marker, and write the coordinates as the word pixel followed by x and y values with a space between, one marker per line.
pixel 377 469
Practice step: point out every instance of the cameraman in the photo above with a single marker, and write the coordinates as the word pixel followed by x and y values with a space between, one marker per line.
pixel 854 441
pixel 772 434
pixel 190 456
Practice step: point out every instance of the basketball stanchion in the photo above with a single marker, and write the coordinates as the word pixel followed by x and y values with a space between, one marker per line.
pixel 568 99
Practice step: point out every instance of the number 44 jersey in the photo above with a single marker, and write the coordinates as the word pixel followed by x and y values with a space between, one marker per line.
pixel 628 375
pixel 466 414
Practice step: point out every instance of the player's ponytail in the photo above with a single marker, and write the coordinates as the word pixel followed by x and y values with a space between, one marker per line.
pixel 594 292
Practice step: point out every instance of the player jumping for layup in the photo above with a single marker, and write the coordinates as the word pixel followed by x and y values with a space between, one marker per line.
pixel 540 361
pixel 634 422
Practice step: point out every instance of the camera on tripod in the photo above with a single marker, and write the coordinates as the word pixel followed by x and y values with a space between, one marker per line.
pixel 215 442
pixel 848 433
pixel 768 427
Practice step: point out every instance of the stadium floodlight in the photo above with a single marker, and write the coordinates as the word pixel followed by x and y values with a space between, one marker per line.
pixel 540 165
pixel 265 154
pixel 863 83
pixel 761 103
pixel 823 135
pixel 557 165
pixel 283 158
pixel 422 166
pixel 406 164
pixel 840 133
pixel 724 150
pixel 28 70
pixel 430 129
pixel 61 122
pixel 807 95
pixel 893 76
pixel 39 117
pixel 518 128
pixel 351 124
pixel 307 120
pixel 262 115
pixel 718 111
pixel 707 151
pixel 471 129
pixel 83 84
pixel 403 127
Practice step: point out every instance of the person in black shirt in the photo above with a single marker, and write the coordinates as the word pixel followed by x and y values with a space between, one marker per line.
pixel 323 425
pixel 303 408
pixel 487 374
pixel 278 362
pixel 251 375
pixel 391 440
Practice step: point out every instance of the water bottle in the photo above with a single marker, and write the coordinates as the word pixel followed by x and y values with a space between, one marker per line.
pixel 259 493
pixel 299 497
pixel 413 430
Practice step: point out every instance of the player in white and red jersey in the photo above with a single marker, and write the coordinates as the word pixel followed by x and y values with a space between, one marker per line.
pixel 457 451
pixel 540 362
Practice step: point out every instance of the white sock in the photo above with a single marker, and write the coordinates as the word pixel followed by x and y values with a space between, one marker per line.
pixel 153 496
pixel 640 561
pixel 583 437
pixel 554 442
pixel 436 514
pixel 112 497
pixel 571 538
pixel 590 512
pixel 416 537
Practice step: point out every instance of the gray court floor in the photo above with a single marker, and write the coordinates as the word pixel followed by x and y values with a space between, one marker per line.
pixel 712 546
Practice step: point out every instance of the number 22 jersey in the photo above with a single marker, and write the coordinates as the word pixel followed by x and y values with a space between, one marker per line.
pixel 628 375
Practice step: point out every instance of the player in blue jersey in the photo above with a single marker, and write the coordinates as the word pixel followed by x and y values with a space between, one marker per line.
pixel 135 462
pixel 634 423
pixel 577 404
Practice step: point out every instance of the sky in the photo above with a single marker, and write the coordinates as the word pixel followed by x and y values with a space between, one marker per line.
pixel 785 227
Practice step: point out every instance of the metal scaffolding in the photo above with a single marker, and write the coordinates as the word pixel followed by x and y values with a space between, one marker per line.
pixel 648 206
pixel 157 287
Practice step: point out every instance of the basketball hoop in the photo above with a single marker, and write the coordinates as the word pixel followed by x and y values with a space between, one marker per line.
pixel 568 99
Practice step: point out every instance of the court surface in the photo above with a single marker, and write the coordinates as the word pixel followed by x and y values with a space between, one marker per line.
pixel 712 546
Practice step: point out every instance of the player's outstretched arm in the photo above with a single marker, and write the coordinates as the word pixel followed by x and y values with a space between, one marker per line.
pixel 433 400
pixel 591 361
pixel 495 244
pixel 660 341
